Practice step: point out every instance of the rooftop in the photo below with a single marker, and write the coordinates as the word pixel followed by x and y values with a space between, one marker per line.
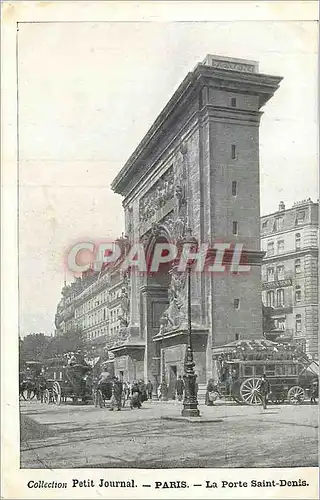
pixel 228 73
pixel 296 204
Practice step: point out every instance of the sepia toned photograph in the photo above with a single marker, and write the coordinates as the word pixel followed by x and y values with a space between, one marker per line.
pixel 168 240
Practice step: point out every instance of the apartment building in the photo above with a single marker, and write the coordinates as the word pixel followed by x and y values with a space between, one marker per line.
pixel 290 272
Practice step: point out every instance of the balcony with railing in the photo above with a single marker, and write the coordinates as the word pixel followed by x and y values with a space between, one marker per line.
pixel 278 280
pixel 281 309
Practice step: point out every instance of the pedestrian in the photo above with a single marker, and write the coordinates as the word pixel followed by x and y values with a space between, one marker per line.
pixel 264 388
pixel 41 387
pixel 229 382
pixel 314 392
pixel 116 394
pixel 135 401
pixel 149 389
pixel 212 392
pixel 143 390
pixel 179 388
pixel 126 390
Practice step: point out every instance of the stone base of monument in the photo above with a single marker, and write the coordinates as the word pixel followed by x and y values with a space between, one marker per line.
pixel 192 420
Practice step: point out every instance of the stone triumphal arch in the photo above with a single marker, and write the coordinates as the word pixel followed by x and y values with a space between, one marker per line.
pixel 197 166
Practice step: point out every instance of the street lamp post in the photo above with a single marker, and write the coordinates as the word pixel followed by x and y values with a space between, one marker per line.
pixel 164 387
pixel 190 403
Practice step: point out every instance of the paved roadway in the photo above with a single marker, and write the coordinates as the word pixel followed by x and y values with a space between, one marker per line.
pixel 70 436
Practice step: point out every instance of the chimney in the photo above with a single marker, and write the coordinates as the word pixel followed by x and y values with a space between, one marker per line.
pixel 281 206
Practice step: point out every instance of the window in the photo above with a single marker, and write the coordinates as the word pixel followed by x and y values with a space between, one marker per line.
pixel 233 151
pixel 298 293
pixel 235 227
pixel 270 370
pixel 270 274
pixel 278 223
pixel 280 297
pixel 298 323
pixel 248 371
pixel 280 323
pixel 292 369
pixel 297 266
pixel 280 246
pixel 300 217
pixel 270 298
pixel 264 224
pixel 236 304
pixel 270 248
pixel 298 240
pixel 280 272
pixel 104 314
pixel 233 102
pixel 237 336
pixel 234 188
pixel 259 370
pixel 280 370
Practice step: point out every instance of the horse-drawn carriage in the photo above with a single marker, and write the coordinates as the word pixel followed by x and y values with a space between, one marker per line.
pixel 65 380
pixel 30 380
pixel 241 364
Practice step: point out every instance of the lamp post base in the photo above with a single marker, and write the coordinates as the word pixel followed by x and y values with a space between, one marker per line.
pixel 190 411
pixel 190 403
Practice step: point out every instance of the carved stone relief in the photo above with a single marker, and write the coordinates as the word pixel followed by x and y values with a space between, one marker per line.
pixel 160 193
pixel 130 222
pixel 125 304
pixel 176 313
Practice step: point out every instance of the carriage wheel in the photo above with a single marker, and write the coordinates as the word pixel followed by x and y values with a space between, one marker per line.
pixel 249 391
pixel 296 395
pixel 56 393
pixel 46 396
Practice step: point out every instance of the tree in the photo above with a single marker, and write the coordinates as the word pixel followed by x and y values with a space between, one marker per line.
pixel 71 340
pixel 39 347
pixel 34 347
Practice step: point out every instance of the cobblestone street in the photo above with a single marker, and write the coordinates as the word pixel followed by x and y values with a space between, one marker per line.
pixel 71 436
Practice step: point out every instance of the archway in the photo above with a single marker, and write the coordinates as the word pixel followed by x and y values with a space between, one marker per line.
pixel 154 301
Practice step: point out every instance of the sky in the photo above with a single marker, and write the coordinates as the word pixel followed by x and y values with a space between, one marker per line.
pixel 88 93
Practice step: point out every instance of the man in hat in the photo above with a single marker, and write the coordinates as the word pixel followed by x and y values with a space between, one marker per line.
pixel 314 392
pixel 149 388
pixel 116 394
pixel 264 388
pixel 179 388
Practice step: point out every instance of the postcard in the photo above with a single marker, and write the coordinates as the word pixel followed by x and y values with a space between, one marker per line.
pixel 160 248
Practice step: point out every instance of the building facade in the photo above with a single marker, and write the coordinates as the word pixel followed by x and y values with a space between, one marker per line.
pixel 198 166
pixel 290 272
pixel 95 305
